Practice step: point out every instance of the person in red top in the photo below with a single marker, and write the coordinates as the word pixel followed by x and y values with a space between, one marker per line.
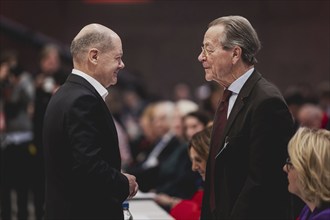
pixel 198 151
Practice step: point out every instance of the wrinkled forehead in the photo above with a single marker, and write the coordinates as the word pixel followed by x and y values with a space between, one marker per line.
pixel 213 34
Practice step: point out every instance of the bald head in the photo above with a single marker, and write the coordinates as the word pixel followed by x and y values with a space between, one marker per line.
pixel 91 36
pixel 97 51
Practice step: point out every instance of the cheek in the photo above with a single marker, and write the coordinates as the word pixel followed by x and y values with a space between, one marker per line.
pixel 293 186
pixel 112 67
pixel 199 128
pixel 193 165
pixel 218 68
pixel 203 166
pixel 221 66
pixel 109 65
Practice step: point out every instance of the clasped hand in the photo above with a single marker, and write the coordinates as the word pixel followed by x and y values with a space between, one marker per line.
pixel 133 185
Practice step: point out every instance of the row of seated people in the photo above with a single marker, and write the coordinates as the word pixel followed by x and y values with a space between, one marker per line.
pixel 166 167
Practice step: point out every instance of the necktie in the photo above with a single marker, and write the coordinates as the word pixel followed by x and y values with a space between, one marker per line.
pixel 220 121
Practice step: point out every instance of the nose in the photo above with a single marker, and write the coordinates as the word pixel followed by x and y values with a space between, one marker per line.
pixel 121 65
pixel 201 57
pixel 285 169
pixel 194 166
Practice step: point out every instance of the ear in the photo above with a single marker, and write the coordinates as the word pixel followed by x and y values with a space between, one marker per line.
pixel 237 53
pixel 93 55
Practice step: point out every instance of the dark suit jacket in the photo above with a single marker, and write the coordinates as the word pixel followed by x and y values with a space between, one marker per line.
pixel 249 180
pixel 83 179
pixel 176 177
pixel 149 178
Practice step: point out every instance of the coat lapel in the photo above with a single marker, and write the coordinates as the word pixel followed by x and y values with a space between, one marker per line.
pixel 239 103
pixel 73 78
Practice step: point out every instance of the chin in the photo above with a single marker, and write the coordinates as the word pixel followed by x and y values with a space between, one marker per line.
pixel 114 82
pixel 208 77
pixel 292 190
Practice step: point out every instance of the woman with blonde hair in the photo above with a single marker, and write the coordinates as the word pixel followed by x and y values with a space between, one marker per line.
pixel 308 169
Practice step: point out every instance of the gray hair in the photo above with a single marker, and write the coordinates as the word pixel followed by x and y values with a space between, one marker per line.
pixel 239 32
pixel 97 39
pixel 48 49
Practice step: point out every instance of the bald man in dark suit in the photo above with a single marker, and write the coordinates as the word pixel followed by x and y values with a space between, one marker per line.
pixel 83 177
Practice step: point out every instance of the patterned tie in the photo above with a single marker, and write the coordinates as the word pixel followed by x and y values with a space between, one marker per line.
pixel 220 121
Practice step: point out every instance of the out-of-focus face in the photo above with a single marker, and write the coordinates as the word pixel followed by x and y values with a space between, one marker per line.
pixel 177 125
pixel 192 125
pixel 310 116
pixel 216 61
pixel 50 63
pixel 160 122
pixel 293 186
pixel 147 128
pixel 198 164
pixel 109 64
pixel 4 71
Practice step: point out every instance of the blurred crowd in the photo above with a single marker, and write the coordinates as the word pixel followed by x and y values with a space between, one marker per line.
pixel 154 133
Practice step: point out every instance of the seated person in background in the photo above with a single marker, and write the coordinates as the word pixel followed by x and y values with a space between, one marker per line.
pixel 308 169
pixel 182 108
pixel 164 170
pixel 142 145
pixel 310 115
pixel 198 151
pixel 194 122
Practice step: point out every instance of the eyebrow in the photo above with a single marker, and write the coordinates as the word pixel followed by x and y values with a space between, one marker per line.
pixel 207 44
pixel 119 54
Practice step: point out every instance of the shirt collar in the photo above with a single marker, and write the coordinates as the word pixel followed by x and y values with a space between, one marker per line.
pixel 237 85
pixel 98 86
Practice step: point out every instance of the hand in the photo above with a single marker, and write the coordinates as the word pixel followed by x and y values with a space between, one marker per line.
pixel 165 200
pixel 133 186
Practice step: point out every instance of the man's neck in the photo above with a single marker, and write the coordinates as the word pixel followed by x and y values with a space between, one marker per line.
pixel 240 71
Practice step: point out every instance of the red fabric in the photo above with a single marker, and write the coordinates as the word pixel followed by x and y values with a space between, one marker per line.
pixel 325 119
pixel 188 209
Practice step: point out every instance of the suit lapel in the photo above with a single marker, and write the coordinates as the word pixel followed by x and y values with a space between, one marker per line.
pixel 239 103
pixel 73 78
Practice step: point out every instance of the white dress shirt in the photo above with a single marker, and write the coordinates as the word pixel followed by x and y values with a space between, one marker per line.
pixel 236 87
pixel 98 86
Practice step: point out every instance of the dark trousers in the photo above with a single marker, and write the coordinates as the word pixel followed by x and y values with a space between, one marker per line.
pixel 38 185
pixel 15 175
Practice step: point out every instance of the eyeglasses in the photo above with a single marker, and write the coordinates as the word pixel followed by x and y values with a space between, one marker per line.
pixel 288 164
pixel 206 52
